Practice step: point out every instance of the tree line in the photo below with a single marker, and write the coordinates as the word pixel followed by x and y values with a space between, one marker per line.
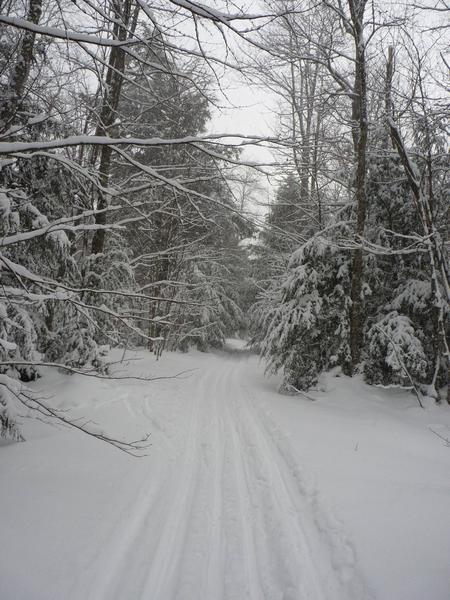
pixel 121 217
pixel 367 289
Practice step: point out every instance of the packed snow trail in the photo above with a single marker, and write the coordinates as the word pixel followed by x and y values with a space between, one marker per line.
pixel 231 519
pixel 232 500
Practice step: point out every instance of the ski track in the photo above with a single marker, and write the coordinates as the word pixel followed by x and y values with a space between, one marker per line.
pixel 231 517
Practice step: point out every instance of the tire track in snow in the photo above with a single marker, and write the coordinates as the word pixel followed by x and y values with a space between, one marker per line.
pixel 234 519
pixel 319 536
pixel 213 555
pixel 124 558
pixel 284 567
pixel 202 569
pixel 163 578
pixel 240 577
pixel 199 560
pixel 215 550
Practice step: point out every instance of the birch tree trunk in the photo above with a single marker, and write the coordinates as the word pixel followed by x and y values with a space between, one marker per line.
pixel 440 285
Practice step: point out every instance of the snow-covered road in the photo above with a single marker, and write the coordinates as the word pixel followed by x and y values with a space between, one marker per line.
pixel 234 518
pixel 221 508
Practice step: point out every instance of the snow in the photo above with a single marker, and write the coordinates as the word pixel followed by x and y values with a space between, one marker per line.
pixel 374 457
pixel 63 34
pixel 98 140
pixel 5 205
pixel 243 493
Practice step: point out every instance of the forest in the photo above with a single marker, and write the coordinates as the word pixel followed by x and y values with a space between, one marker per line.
pixel 126 222
pixel 224 300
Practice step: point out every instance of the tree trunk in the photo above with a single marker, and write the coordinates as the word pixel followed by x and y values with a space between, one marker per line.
pixel 113 87
pixel 360 134
pixel 423 203
pixel 20 71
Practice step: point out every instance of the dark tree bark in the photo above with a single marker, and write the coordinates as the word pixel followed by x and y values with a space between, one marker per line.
pixel 122 10
pixel 360 134
pixel 19 75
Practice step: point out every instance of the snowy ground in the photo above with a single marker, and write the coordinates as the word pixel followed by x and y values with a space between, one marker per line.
pixel 244 494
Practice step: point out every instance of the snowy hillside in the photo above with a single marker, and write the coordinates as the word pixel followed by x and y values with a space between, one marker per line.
pixel 243 493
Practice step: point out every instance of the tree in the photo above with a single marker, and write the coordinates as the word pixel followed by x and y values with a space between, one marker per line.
pixel 428 202
pixel 77 182
pixel 14 91
pixel 383 299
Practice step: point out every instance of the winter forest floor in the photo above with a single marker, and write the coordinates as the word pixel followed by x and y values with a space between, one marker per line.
pixel 243 494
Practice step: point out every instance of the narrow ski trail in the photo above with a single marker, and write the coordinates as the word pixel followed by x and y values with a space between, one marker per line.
pixel 230 517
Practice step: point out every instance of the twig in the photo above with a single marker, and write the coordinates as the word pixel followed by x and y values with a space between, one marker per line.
pixel 92 373
pixel 446 440
pixel 297 391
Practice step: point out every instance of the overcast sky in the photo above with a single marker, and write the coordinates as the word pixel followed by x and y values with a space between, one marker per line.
pixel 250 111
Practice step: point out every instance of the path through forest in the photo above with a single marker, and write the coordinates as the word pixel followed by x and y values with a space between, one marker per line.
pixel 232 518
pixel 237 495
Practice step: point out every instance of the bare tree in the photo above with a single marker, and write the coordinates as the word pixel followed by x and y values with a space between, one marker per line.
pixel 75 180
pixel 422 191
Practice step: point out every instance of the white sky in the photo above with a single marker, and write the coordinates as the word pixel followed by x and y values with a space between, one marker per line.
pixel 250 112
